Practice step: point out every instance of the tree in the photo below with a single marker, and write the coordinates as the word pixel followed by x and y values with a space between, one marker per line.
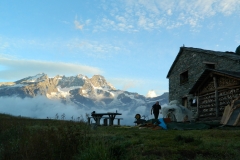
pixel 238 50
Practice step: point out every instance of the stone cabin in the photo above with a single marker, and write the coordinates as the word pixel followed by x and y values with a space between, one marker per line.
pixel 198 78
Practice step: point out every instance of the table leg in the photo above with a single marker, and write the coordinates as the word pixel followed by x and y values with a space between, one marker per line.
pixel 119 122
pixel 111 118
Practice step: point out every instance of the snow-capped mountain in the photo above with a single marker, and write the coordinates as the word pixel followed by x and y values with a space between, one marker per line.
pixel 79 91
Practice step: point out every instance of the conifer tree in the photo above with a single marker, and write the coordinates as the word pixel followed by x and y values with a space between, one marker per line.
pixel 238 50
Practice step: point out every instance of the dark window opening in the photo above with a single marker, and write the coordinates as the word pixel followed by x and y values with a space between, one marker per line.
pixel 193 102
pixel 183 77
pixel 184 102
pixel 210 66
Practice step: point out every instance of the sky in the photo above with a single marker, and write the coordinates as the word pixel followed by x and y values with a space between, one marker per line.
pixel 132 43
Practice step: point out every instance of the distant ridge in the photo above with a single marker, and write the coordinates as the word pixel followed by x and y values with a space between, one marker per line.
pixel 79 91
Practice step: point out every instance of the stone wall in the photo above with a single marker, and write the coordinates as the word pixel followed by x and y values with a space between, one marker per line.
pixel 193 63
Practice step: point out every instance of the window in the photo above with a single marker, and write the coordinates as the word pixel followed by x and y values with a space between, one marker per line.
pixel 210 66
pixel 193 102
pixel 183 77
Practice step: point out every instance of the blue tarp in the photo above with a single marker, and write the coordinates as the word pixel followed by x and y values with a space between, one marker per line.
pixel 162 123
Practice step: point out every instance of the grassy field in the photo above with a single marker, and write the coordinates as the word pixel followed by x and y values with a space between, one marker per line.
pixel 28 139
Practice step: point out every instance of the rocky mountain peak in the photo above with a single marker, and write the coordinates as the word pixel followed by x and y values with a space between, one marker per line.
pixel 33 79
pixel 72 81
pixel 99 81
pixel 80 76
pixel 79 91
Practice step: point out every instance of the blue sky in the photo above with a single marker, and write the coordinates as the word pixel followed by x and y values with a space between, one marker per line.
pixel 132 43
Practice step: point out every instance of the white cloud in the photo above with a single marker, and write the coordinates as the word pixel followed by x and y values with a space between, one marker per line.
pixel 125 83
pixel 121 19
pixel 169 12
pixel 228 7
pixel 4 45
pixel 40 107
pixel 78 25
pixel 147 15
pixel 73 47
pixel 142 21
pixel 88 21
pixel 15 69
pixel 94 49
pixel 151 94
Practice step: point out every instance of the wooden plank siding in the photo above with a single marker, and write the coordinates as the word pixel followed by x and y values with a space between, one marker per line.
pixel 216 93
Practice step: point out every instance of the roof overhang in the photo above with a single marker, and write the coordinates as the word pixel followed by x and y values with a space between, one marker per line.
pixel 210 72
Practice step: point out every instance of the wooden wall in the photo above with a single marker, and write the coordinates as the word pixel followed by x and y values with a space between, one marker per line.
pixel 215 96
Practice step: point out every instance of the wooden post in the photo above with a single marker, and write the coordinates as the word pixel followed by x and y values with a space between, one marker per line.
pixel 110 121
pixel 216 96
pixel 197 106
pixel 119 122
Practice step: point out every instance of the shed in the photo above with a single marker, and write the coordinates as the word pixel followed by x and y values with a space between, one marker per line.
pixel 214 90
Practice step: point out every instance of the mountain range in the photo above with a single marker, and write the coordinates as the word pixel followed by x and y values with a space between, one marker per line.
pixel 80 91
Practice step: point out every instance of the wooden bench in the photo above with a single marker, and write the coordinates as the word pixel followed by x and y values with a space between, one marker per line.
pixel 119 120
pixel 97 119
pixel 105 120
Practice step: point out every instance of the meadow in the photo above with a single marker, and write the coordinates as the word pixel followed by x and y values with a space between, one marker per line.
pixel 27 139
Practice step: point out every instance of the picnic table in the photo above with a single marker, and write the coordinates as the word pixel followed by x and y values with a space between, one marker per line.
pixel 111 116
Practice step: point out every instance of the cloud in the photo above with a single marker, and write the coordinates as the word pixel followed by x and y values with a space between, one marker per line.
pixel 94 49
pixel 118 23
pixel 88 21
pixel 169 12
pixel 151 94
pixel 78 25
pixel 125 83
pixel 73 47
pixel 146 15
pixel 139 85
pixel 40 107
pixel 4 45
pixel 15 69
pixel 228 7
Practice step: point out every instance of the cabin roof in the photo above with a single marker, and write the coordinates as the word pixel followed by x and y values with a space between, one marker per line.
pixel 214 71
pixel 227 54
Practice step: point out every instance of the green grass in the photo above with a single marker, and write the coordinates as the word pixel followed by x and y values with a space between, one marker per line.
pixel 25 138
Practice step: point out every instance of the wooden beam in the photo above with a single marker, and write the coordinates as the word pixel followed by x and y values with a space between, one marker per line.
pixel 218 88
pixel 216 96
pixel 197 107
pixel 207 62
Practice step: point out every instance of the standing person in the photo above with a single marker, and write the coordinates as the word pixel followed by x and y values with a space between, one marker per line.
pixel 155 109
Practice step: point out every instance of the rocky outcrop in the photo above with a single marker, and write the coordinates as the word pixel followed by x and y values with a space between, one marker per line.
pixel 28 87
pixel 64 82
pixel 99 81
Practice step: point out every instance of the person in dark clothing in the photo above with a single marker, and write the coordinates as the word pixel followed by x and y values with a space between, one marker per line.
pixel 155 109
